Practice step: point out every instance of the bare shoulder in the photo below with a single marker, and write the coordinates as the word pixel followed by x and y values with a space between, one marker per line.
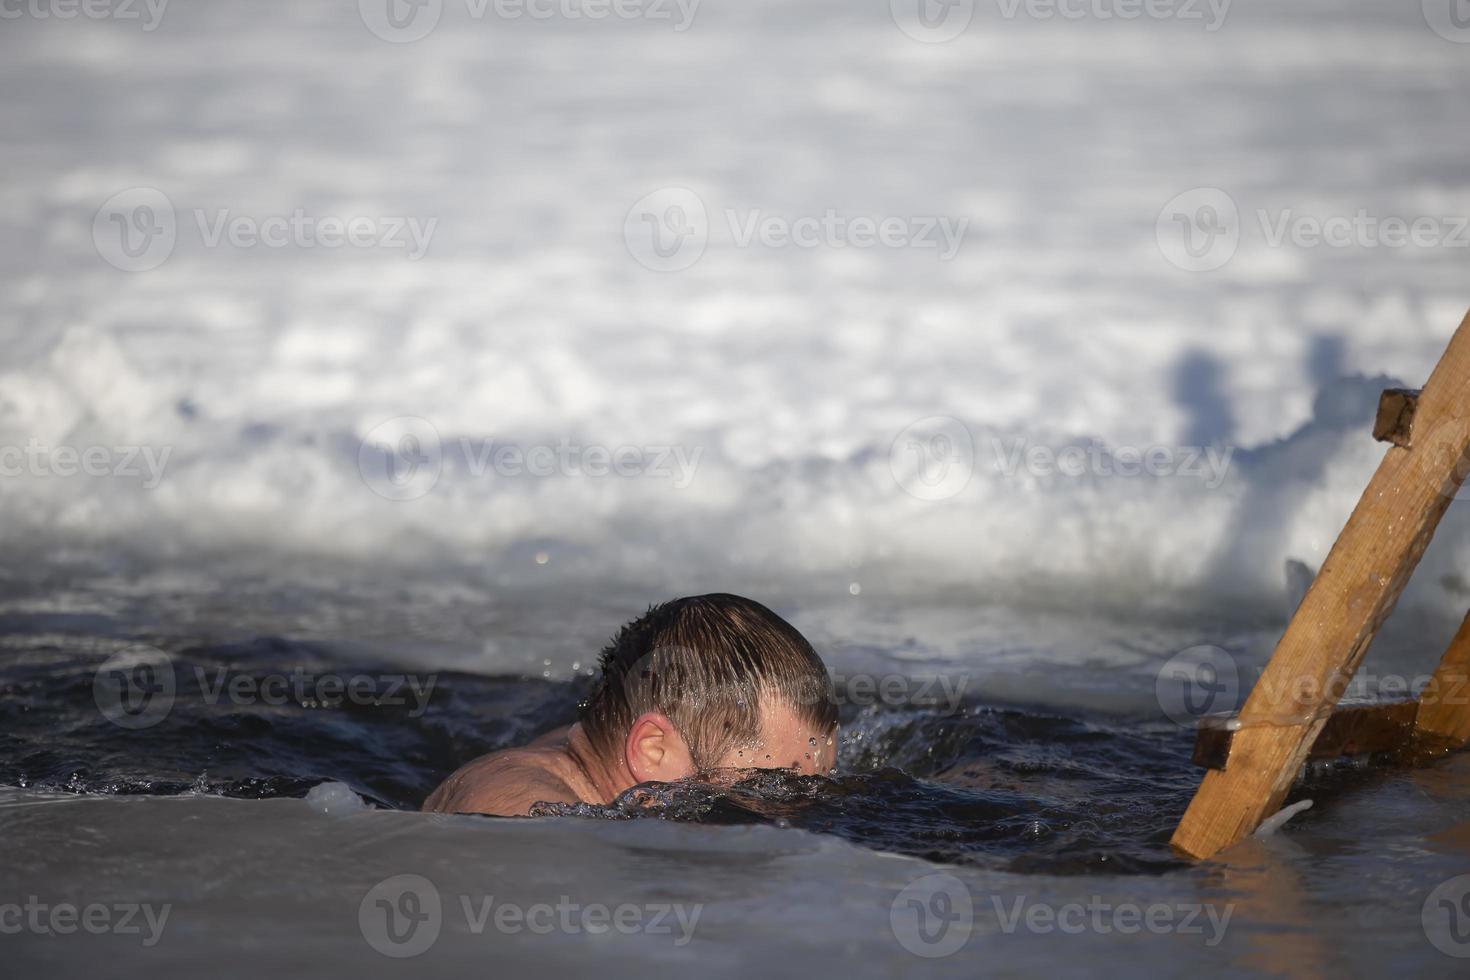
pixel 505 784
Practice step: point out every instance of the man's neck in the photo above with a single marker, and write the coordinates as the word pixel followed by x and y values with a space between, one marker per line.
pixel 605 781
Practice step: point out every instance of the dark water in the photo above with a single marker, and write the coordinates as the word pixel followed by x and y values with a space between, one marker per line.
pixel 999 786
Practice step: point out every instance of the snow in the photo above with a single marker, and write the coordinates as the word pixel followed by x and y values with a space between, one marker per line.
pixel 788 377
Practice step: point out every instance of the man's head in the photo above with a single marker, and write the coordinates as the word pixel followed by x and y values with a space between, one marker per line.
pixel 710 682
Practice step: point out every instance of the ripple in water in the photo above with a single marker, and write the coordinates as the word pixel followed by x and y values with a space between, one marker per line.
pixel 1006 787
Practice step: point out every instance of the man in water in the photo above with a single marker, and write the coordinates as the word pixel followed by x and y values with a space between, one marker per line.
pixel 697 684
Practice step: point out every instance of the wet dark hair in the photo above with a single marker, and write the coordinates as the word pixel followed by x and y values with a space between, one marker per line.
pixel 708 662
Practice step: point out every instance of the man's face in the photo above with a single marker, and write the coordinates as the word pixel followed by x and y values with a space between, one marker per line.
pixel 785 743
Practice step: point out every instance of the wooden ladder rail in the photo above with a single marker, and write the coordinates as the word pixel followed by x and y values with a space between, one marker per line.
pixel 1352 595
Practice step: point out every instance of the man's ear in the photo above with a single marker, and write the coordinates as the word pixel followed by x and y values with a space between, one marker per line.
pixel 655 751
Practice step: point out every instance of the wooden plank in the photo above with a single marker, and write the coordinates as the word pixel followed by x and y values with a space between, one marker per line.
pixel 1331 630
pixel 1395 421
pixel 1443 721
pixel 1358 729
pixel 1212 741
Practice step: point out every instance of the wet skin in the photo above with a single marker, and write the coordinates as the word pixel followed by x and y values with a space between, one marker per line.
pixel 565 767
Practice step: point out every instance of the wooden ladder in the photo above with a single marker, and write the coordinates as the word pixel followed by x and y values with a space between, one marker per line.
pixel 1254 757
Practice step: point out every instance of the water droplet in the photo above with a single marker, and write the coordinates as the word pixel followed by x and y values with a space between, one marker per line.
pixel 855 588
pixel 542 558
pixel 812 741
